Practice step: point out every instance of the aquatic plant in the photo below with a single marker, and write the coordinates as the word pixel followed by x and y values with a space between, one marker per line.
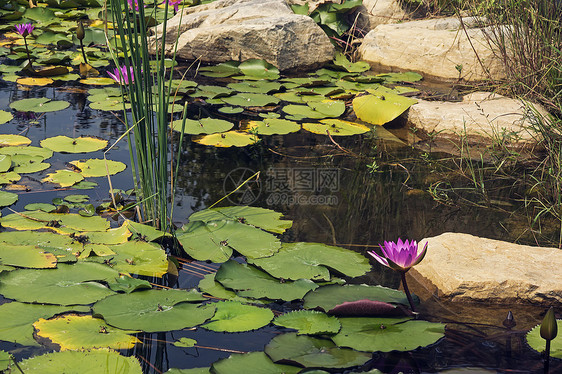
pixel 24 29
pixel 122 75
pixel 401 257
pixel 548 331
pixel 174 3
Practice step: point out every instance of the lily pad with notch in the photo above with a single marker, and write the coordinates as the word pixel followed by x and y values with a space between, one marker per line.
pixel 202 126
pixel 233 316
pixel 335 127
pixel 64 144
pixel 308 322
pixel 271 126
pixel 327 297
pixel 39 105
pixel 64 178
pixel 381 106
pixel 246 99
pixel 227 139
pixel 95 167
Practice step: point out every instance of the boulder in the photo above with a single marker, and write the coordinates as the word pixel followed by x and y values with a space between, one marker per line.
pixel 238 30
pixel 436 48
pixel 379 12
pixel 463 267
pixel 480 114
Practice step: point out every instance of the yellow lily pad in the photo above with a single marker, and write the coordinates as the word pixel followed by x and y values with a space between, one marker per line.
pixel 65 144
pixel 336 127
pixel 96 167
pixel 97 81
pixel 28 256
pixel 64 178
pixel 30 81
pixel 12 140
pixel 227 139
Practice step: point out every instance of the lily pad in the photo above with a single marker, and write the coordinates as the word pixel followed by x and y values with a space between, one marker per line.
pixel 26 256
pixel 312 261
pixel 39 105
pixel 32 81
pixel 84 332
pixel 246 99
pixel 265 219
pixel 65 285
pixel 39 152
pixel 227 139
pixel 272 126
pixel 304 111
pixel 154 310
pixel 143 232
pixel 253 362
pixel 380 107
pixel 140 258
pixel 260 86
pixel 327 297
pixel 331 108
pixel 7 198
pixel 5 116
pixel 230 110
pixel 185 343
pixel 336 127
pixel 40 206
pixel 260 69
pixel 13 140
pixel 401 77
pixel 353 67
pixel 308 322
pixel 249 281
pixel 128 284
pixel 538 344
pixel 64 144
pixel 202 126
pixel 95 167
pixel 232 316
pixel 5 163
pixel 64 178
pixel 9 177
pixel 83 362
pixel 17 320
pixel 210 286
pixel 38 220
pixel 224 69
pixel 313 352
pixel 387 334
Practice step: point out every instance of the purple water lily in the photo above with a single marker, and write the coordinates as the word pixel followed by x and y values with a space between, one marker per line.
pixel 136 4
pixel 174 3
pixel 401 257
pixel 122 75
pixel 24 29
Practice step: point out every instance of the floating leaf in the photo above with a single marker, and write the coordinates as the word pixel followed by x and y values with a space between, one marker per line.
pixel 94 361
pixel 65 144
pixel 260 69
pixel 254 362
pixel 26 256
pixel 209 286
pixel 260 86
pixel 308 322
pixel 368 308
pixel 77 198
pixel 7 198
pixel 387 334
pixel 38 220
pixel 232 316
pixel 31 152
pixel 265 219
pixel 65 285
pixel 331 108
pixel 97 81
pixel 128 284
pixel 144 232
pixel 9 177
pixel 95 167
pixel 336 127
pixel 83 332
pixel 227 139
pixel 538 344
pixel 303 111
pixel 64 178
pixel 401 77
pixel 154 310
pixel 224 69
pixel 39 105
pixel 380 106
pixel 313 352
pixel 5 360
pixel 353 67
pixel 248 281
pixel 140 258
pixel 17 320
pixel 31 81
pixel 311 261
pixel 230 110
pixel 202 126
pixel 40 206
pixel 13 140
pixel 272 126
pixel 250 99
pixel 5 116
pixel 185 343
pixel 327 297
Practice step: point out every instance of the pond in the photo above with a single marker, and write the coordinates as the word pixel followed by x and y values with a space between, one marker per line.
pixel 350 192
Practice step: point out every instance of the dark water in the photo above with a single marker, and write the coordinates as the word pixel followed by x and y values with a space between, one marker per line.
pixel 332 197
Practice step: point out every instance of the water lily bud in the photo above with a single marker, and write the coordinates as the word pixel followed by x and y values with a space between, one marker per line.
pixel 509 321
pixel 80 31
pixel 549 327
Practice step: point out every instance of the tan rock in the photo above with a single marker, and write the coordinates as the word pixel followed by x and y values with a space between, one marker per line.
pixel 238 30
pixel 379 12
pixel 462 267
pixel 482 114
pixel 434 47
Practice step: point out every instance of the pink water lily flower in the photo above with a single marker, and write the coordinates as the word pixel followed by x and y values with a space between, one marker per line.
pixel 400 256
pixel 174 3
pixel 121 75
pixel 136 4
pixel 24 29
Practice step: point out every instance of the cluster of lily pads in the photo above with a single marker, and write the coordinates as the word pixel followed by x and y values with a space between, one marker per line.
pixel 75 281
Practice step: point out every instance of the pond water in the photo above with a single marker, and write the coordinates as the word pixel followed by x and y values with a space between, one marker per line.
pixel 333 197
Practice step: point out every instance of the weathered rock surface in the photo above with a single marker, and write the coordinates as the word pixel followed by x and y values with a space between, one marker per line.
pixel 482 114
pixel 379 12
pixel 462 267
pixel 238 30
pixel 434 47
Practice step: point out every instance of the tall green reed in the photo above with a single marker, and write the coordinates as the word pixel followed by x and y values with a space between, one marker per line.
pixel 149 92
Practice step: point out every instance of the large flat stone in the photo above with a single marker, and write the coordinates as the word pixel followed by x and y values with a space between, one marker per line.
pixel 238 30
pixel 434 47
pixel 463 267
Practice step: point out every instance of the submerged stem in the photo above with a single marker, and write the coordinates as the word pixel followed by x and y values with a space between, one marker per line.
pixel 407 291
pixel 27 50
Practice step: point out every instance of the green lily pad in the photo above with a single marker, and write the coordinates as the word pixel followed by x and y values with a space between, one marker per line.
pixel 154 310
pixel 224 69
pixel 245 99
pixel 312 261
pixel 32 166
pixel 40 206
pixel 401 77
pixel 13 140
pixel 140 258
pixel 304 111
pixel 215 240
pixel 271 127
pixel 538 344
pixel 17 320
pixel 380 106
pixel 83 362
pixel 230 110
pixel 5 163
pixel 327 297
pixel 227 139
pixel 128 284
pixel 248 281
pixel 5 360
pixel 65 285
pixel 253 362
pixel 232 316
pixel 259 69
pixel 7 198
pixel 83 332
pixel 353 67
pixel 185 343
pixel 313 352
pixel 77 198
pixel 331 108
pixel 38 220
pixel 308 322
pixel 143 232
pixel 210 286
pixel 64 178
pixel 26 256
pixel 336 127
pixel 212 92
pixel 265 219
pixel 95 167
pixel 34 152
pixel 260 86
pixel 64 144
pixel 39 105
pixel 5 116
pixel 202 126
pixel 387 334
